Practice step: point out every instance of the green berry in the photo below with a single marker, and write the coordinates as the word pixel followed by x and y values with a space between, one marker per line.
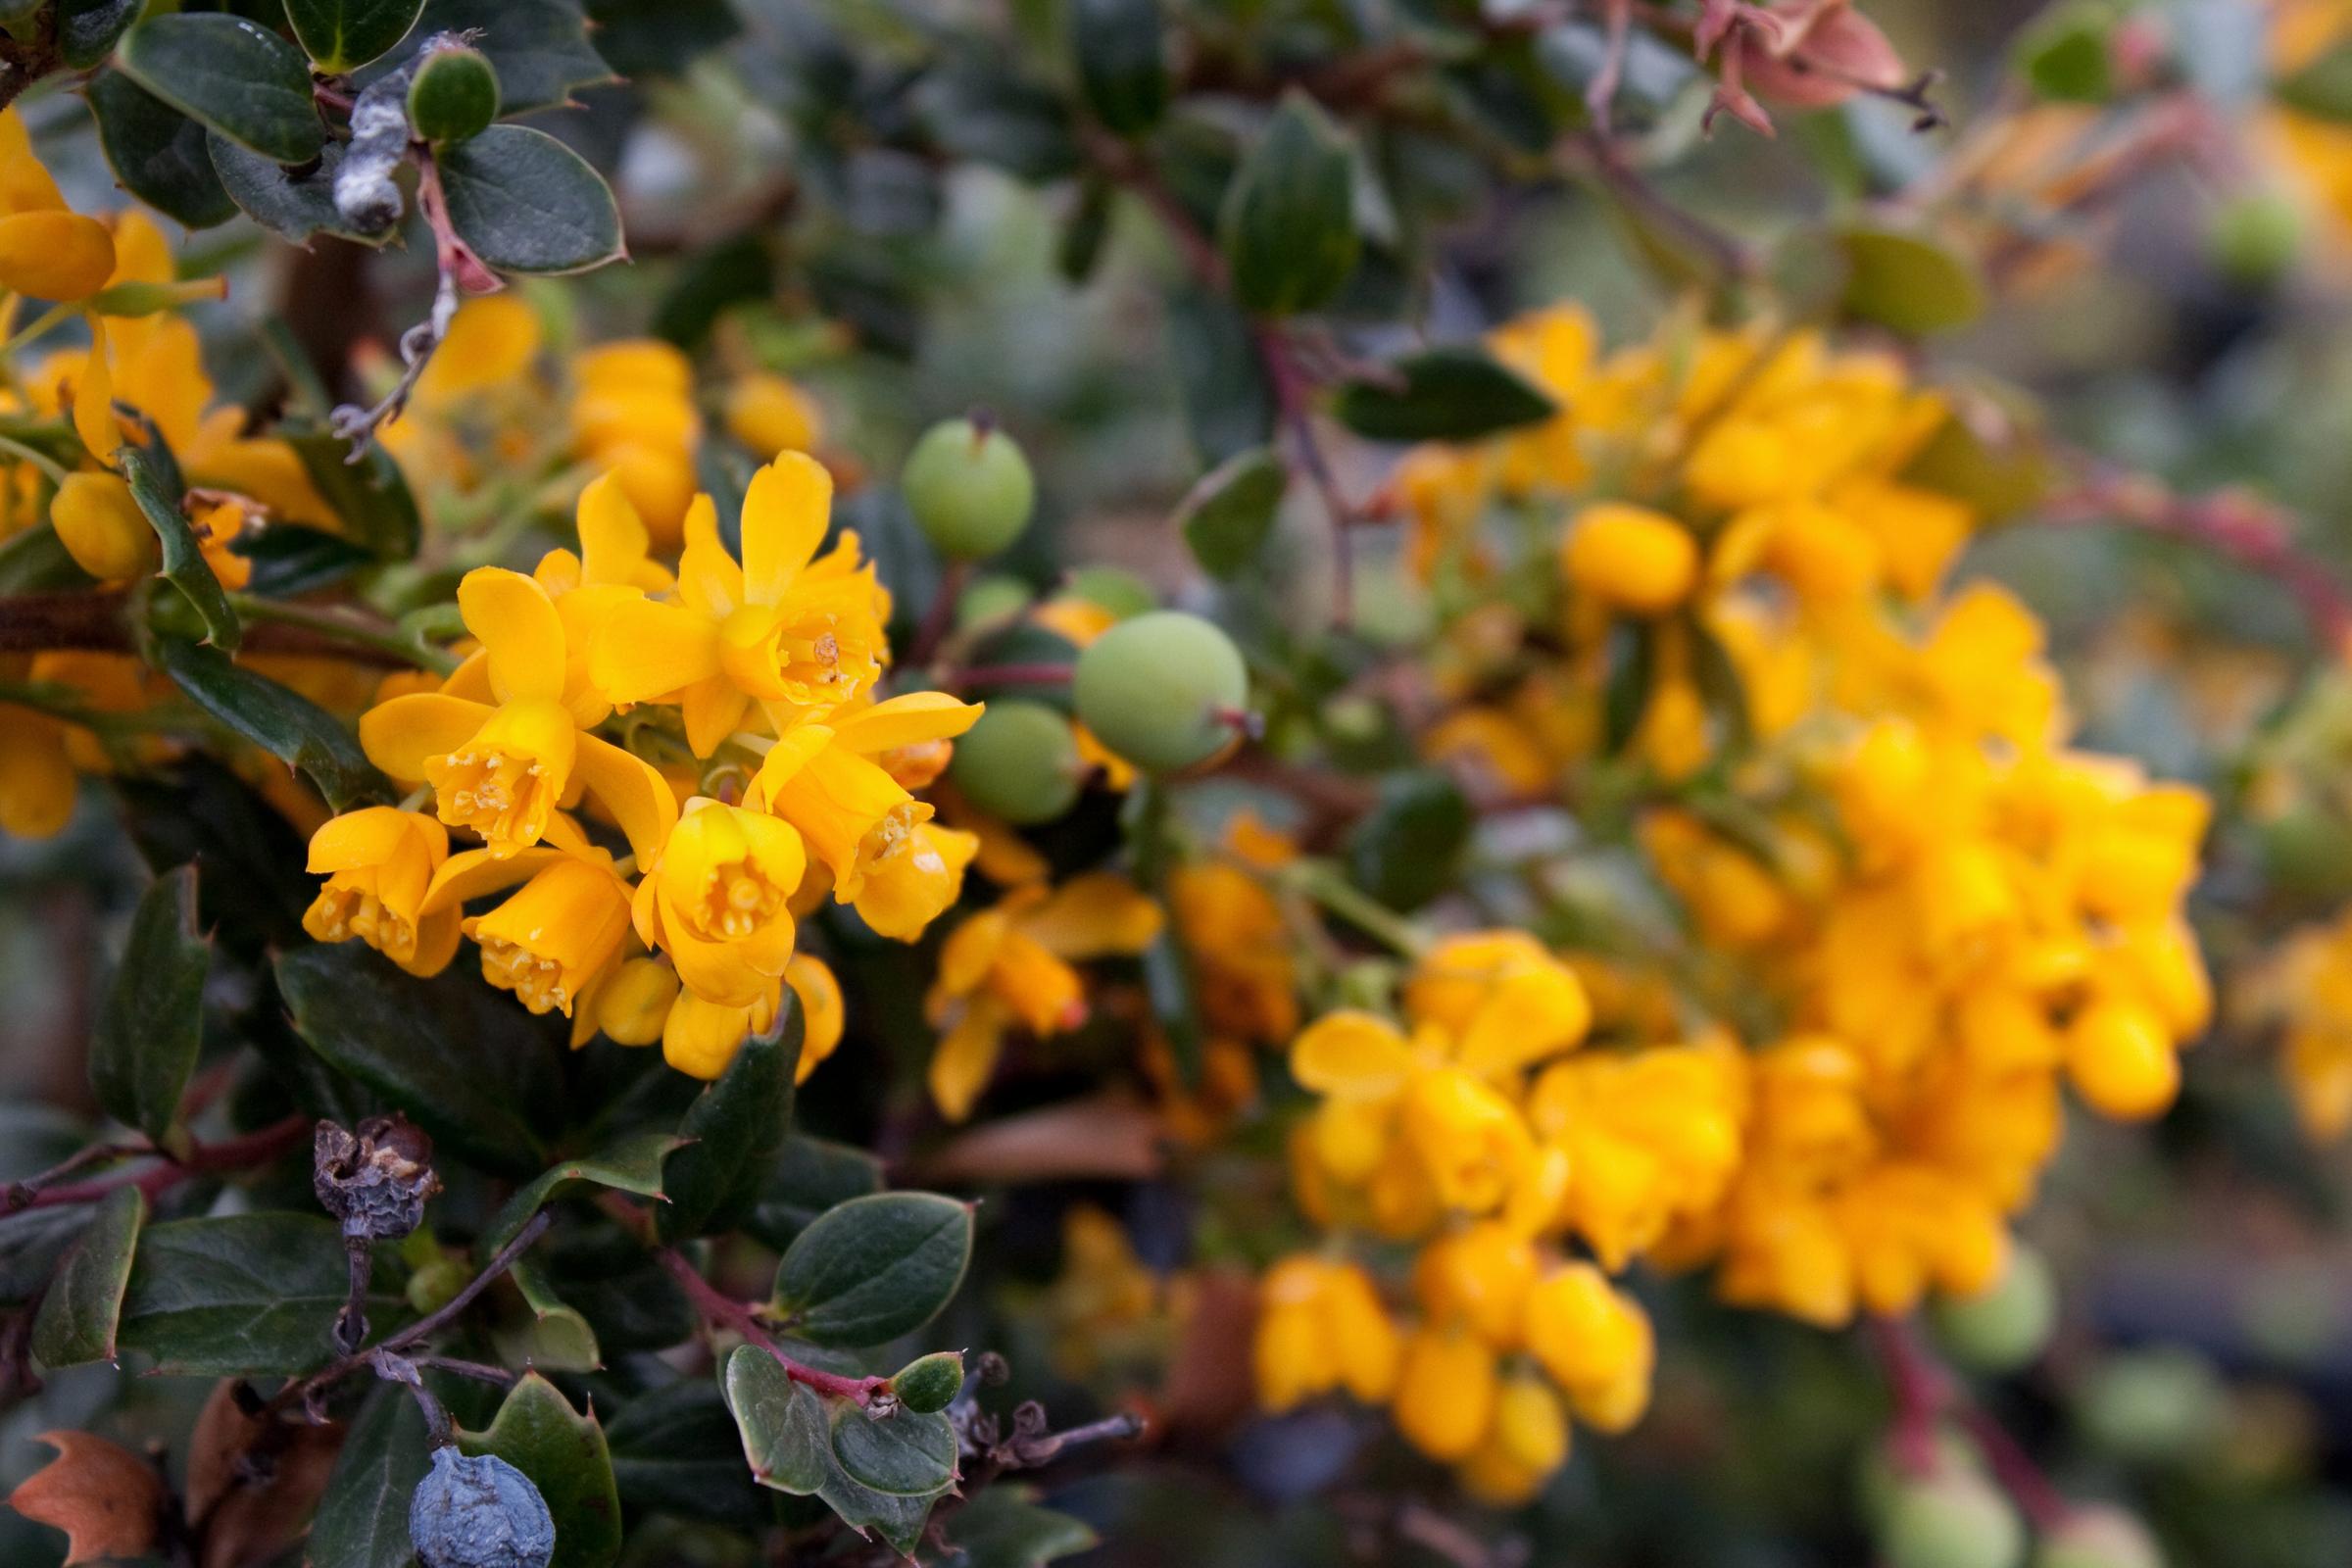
pixel 2006 1328
pixel 1019 762
pixel 1122 593
pixel 930 1382
pixel 1881 1478
pixel 1953 1521
pixel 992 599
pixel 452 96
pixel 970 489
pixel 434 1285
pixel 1162 690
pixel 2153 1405
pixel 2099 1537
pixel 2254 239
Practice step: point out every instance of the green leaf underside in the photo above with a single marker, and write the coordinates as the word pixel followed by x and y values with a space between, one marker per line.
pixel 83 1304
pixel 362 1517
pixel 87 30
pixel 905 1455
pixel 874 1268
pixel 151 1024
pixel 158 153
pixel 184 565
pixel 896 1521
pixel 782 1422
pixel 631 1163
pixel 281 721
pixel 526 203
pixel 292 208
pixel 236 76
pixel 240 1295
pixel 564 1453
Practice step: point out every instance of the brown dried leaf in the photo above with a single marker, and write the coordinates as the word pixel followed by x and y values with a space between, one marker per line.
pixel 1106 1136
pixel 108 1501
pixel 1209 1388
pixel 248 1498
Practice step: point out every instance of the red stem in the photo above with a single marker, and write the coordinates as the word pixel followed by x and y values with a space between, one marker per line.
pixel 1924 1393
pixel 724 1311
pixel 1015 675
pixel 230 1154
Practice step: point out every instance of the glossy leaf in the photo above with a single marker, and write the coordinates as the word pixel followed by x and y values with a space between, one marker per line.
pixel 874 1268
pixel 1288 225
pixel 785 1435
pixel 462 1059
pixel 526 203
pixel 240 1295
pixel 278 719
pixel 1121 50
pixel 540 47
pixel 371 496
pixel 676 1449
pixel 151 1024
pixel 1230 515
pixel 363 1514
pixel 809 1176
pixel 184 565
pixel 342 35
pixel 236 76
pixel 293 207
pixel 1443 394
pixel 83 1304
pixel 563 1452
pixel 735 1127
pixel 158 153
pixel 1404 851
pixel 905 1455
pixel 88 30
pixel 631 1163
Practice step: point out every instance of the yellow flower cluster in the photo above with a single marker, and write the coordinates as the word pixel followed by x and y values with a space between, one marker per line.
pixel 2308 989
pixel 753 770
pixel 1479 1132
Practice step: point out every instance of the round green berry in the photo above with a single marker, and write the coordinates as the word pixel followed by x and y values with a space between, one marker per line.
pixel 2006 1328
pixel 930 1382
pixel 1881 1477
pixel 453 95
pixel 988 600
pixel 434 1285
pixel 1953 1521
pixel 969 488
pixel 2154 1405
pixel 1162 690
pixel 1019 762
pixel 2099 1537
pixel 2254 239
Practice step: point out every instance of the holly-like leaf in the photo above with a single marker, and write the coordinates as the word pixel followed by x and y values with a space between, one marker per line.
pixel 556 1336
pixel 785 1438
pixel 371 496
pixel 1002 1527
pixel 631 1163
pixel 524 202
pixel 184 565
pixel 898 1521
pixel 88 30
pixel 735 1126
pixel 874 1268
pixel 84 1304
pixel 564 1453
pixel 342 35
pixel 158 153
pixel 364 1517
pixel 908 1454
pixel 462 1059
pixel 540 47
pixel 234 75
pixel 278 719
pixel 292 206
pixel 241 1295
pixel 809 1176
pixel 108 1501
pixel 1229 515
pixel 1288 225
pixel 148 1035
pixel 1442 394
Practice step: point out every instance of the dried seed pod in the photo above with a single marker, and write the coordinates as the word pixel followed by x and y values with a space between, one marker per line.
pixel 376 1179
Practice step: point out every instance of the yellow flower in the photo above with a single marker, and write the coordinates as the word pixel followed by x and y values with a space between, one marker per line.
pixel 102 527
pixel 500 767
pixel 1632 559
pixel 769 415
pixel 560 939
pixel 46 251
pixel 1445 1390
pixel 37 782
pixel 1013 964
pixel 787 628
pixel 823 1019
pixel 634 1008
pixel 1321 1327
pixel 714 901
pixel 379 862
pixel 632 412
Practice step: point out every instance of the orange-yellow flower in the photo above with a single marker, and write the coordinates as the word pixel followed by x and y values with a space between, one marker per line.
pixel 379 862
pixel 715 900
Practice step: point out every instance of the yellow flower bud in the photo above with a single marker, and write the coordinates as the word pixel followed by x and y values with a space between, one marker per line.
pixel 1582 1329
pixel 1632 559
pixel 634 1008
pixel 102 527
pixel 1530 1427
pixel 769 415
pixel 822 1016
pixel 2121 1061
pixel 1445 1392
pixel 1469 1139
pixel 1478 1276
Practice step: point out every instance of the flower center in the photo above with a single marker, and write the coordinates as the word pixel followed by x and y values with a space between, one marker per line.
pixel 345 909
pixel 738 899
pixel 537 982
pixel 499 793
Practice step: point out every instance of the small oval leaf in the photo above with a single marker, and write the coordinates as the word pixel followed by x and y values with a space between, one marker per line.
pixel 910 1453
pixel 526 203
pixel 782 1422
pixel 342 35
pixel 236 76
pixel 874 1268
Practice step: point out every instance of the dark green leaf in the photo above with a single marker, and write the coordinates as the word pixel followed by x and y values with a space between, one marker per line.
pixel 291 207
pixel 36 560
pixel 905 1455
pixel 1443 394
pixel 2065 53
pixel 785 1440
pixel 252 890
pixel 158 153
pixel 184 565
pixel 661 37
pixel 563 1454
pixel 809 1176
pixel 1404 851
pixel 540 47
pixel 629 1298
pixel 364 1515
pixel 874 1268
pixel 236 76
pixel 1122 49
pixel 1908 281
pixel 898 1521
pixel 631 1163
pixel 677 1450
pixel 1087 227
pixel 1288 225
pixel 33 1241
pixel 151 1024
pixel 986 109
pixel 87 30
pixel 1002 1527
pixel 1631 667
pixel 526 203
pixel 735 1126
pixel 371 496
pixel 83 1302
pixel 342 35
pixel 1228 405
pixel 1229 515
pixel 241 1295
pixel 555 1334
pixel 280 722
pixel 461 1059
pixel 289 559
pixel 1174 992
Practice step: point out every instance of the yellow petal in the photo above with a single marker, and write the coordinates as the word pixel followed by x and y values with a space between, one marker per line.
pixel 366 837
pixel 518 626
pixel 966 1058
pixel 646 650
pixel 613 537
pixel 713 709
pixel 907 721
pixel 1528 1015
pixel 784 513
pixel 1092 916
pixel 55 255
pixel 1355 1056
pixel 469 875
pixel 24 185
pixel 639 797
pixel 822 1018
pixel 399 735
pixel 708 580
pixel 94 399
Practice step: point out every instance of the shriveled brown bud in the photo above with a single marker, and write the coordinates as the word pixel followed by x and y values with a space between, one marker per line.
pixel 376 1179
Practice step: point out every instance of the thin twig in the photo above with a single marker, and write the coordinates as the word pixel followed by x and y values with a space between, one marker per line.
pixel 230 1154
pixel 724 1311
